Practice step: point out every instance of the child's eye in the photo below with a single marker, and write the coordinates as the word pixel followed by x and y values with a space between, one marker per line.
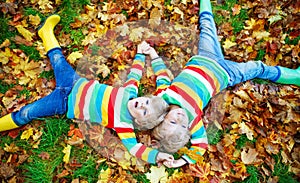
pixel 173 122
pixel 183 126
pixel 147 102
pixel 145 112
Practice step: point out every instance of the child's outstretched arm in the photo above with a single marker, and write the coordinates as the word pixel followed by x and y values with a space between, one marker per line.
pixel 160 70
pixel 136 71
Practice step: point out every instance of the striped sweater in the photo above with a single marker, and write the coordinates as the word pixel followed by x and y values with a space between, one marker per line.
pixel 107 105
pixel 192 89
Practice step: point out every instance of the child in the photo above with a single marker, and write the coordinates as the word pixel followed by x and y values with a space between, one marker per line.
pixel 204 75
pixel 111 107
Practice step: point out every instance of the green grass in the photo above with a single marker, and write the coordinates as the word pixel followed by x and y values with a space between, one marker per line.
pixel 47 75
pixel 242 141
pixel 282 171
pixel 6 32
pixel 290 41
pixel 31 11
pixel 254 175
pixel 4 87
pixel 236 21
pixel 69 10
pixel 214 138
pixel 31 52
pixel 89 171
pixel 37 169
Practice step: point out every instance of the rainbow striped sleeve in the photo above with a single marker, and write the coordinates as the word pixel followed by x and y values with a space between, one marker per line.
pixel 160 70
pixel 138 150
pixel 199 140
pixel 135 74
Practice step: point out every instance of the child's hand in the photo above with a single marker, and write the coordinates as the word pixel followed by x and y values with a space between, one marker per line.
pixel 175 163
pixel 161 157
pixel 151 52
pixel 142 47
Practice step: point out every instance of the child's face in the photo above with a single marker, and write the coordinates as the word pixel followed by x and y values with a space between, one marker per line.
pixel 140 108
pixel 176 118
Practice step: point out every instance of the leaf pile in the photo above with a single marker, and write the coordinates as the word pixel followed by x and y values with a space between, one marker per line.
pixel 253 128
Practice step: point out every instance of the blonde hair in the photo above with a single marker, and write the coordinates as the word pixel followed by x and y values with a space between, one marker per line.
pixel 161 108
pixel 171 143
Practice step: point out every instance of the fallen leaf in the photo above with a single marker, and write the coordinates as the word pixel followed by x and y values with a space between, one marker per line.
pixel 25 33
pixel 27 134
pixel 248 156
pixel 67 152
pixel 157 175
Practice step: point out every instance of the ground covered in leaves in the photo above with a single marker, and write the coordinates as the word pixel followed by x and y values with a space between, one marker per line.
pixel 253 128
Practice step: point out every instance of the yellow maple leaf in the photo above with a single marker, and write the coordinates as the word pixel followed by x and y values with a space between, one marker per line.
pixel 67 152
pixel 24 32
pixel 27 134
pixel 34 20
pixel 74 56
pixel 228 44
pixel 261 35
pixel 104 175
pixel 157 175
pixel 4 56
pixel 250 23
pixel 178 11
pixel 136 34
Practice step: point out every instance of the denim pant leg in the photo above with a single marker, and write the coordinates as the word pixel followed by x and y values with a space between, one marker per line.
pixel 56 102
pixel 209 45
pixel 240 72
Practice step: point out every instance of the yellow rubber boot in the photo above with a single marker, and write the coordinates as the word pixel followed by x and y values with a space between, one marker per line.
pixel 7 123
pixel 46 32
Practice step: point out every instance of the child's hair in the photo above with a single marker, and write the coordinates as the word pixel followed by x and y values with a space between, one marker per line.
pixel 171 143
pixel 160 108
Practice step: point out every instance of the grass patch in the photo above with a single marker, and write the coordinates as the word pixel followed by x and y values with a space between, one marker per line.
pixel 70 9
pixel 290 41
pixel 31 52
pixel 282 171
pixel 236 21
pixel 31 11
pixel 214 137
pixel 5 31
pixel 242 141
pixel 254 175
pixel 47 75
pixel 89 171
pixel 37 169
pixel 4 87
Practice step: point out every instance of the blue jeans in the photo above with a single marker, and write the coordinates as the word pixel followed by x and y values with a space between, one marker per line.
pixel 210 47
pixel 56 102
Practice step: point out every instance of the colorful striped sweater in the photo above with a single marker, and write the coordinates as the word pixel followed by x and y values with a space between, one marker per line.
pixel 106 105
pixel 192 89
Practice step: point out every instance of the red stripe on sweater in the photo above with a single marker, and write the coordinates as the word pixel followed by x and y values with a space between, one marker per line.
pixel 131 82
pixel 82 98
pixel 123 130
pixel 111 105
pixel 137 66
pixel 205 75
pixel 201 145
pixel 140 151
pixel 191 101
pixel 196 121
